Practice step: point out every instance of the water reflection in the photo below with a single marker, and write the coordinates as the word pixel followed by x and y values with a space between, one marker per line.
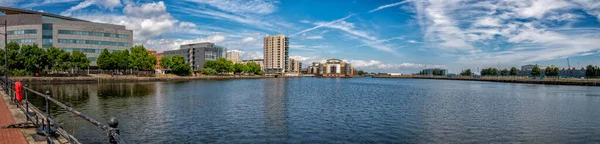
pixel 275 100
pixel 114 90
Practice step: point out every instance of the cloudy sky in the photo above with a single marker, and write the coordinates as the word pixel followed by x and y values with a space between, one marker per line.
pixel 375 35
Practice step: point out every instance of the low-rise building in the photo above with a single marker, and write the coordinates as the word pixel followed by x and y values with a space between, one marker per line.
pixel 233 56
pixel 197 54
pixel 432 71
pixel 332 68
pixel 294 66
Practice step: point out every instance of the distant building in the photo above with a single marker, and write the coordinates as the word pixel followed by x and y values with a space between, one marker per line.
pixel 66 33
pixel 294 66
pixel 157 67
pixel 331 68
pixel 197 54
pixel 260 62
pixel 233 56
pixel 395 74
pixel 276 54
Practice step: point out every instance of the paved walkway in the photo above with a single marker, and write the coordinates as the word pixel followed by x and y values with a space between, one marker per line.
pixel 8 135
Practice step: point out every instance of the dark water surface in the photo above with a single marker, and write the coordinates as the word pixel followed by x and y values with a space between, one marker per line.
pixel 317 110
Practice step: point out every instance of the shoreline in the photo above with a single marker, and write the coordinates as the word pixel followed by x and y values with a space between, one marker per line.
pixel 118 79
pixel 525 80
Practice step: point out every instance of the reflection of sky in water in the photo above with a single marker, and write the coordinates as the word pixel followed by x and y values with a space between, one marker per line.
pixel 313 110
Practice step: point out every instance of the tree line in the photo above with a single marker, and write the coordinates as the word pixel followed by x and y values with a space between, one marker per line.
pixel 592 71
pixel 136 58
pixel 435 72
pixel 176 65
pixel 223 66
pixel 27 60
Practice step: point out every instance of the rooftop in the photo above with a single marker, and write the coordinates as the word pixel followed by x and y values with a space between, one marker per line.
pixel 14 11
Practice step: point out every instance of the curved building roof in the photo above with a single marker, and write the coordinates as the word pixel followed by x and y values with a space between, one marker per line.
pixel 12 11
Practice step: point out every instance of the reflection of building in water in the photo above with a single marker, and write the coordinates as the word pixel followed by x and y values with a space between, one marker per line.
pixel 275 106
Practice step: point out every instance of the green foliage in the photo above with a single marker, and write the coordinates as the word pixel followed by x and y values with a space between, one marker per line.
pixel 105 60
pixel 361 72
pixel 254 68
pixel 513 71
pixel 15 59
pixel 489 72
pixel 592 71
pixel 466 72
pixel 552 71
pixel 166 62
pixel 141 59
pixel 221 65
pixel 20 72
pixel 504 72
pixel 33 57
pixel 179 66
pixel 536 71
pixel 51 56
pixel 209 71
pixel 240 68
pixel 79 60
pixel 63 61
pixel 121 59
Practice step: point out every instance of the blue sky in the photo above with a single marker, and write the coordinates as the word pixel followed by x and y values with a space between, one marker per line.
pixel 375 35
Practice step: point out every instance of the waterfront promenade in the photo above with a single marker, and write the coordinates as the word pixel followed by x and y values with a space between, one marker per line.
pixel 509 79
pixel 9 135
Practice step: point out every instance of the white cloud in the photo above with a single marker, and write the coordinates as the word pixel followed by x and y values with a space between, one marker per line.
pixel 187 25
pixel 305 21
pixel 389 5
pixel 152 20
pixel 251 55
pixel 257 21
pixel 107 4
pixel 374 64
pixel 172 44
pixel 248 39
pixel 37 3
pixel 242 6
pixel 315 37
pixel 146 10
pixel 488 21
pixel 539 8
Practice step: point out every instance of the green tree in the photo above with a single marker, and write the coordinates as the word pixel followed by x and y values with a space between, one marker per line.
pixel 209 71
pixel 15 58
pixel 33 58
pixel 466 72
pixel 221 65
pixel 105 60
pixel 79 60
pixel 141 59
pixel 504 72
pixel 592 71
pixel 536 71
pixel 552 71
pixel 51 56
pixel 179 66
pixel 121 60
pixel 361 72
pixel 254 68
pixel 514 71
pixel 240 68
pixel 63 61
pixel 166 62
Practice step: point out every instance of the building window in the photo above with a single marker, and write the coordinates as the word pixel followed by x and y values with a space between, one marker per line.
pixel 92 42
pixel 46 35
pixel 23 41
pixel 89 33
pixel 21 32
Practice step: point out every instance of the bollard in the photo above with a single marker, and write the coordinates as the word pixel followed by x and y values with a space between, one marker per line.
pixel 113 123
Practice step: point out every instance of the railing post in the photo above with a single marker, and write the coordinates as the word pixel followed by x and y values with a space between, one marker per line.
pixel 113 123
pixel 26 104
pixel 48 113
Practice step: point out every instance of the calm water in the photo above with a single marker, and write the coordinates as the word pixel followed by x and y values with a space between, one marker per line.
pixel 314 110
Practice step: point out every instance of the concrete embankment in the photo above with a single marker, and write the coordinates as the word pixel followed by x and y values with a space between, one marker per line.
pixel 508 79
pixel 126 79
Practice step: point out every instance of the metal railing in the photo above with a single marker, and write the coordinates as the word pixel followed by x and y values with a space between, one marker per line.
pixel 43 120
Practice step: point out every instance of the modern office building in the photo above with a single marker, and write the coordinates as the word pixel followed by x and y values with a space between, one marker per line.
pixel 294 66
pixel 276 50
pixel 260 62
pixel 332 68
pixel 198 53
pixel 233 56
pixel 70 34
